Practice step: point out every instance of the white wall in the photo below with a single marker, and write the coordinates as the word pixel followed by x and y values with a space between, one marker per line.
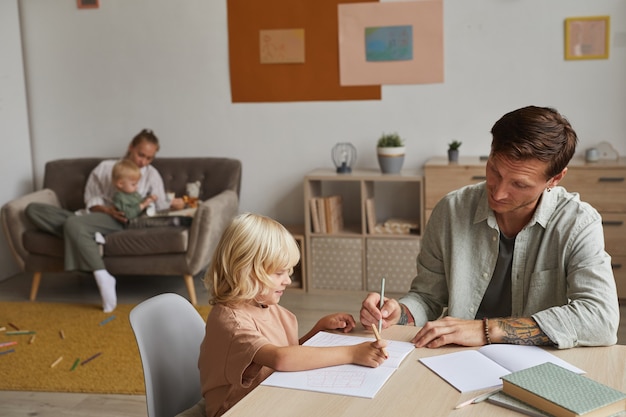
pixel 16 169
pixel 96 77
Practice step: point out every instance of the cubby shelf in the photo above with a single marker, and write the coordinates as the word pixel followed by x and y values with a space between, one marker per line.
pixel 354 258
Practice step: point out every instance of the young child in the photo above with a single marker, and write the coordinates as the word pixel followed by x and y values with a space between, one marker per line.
pixel 125 176
pixel 248 335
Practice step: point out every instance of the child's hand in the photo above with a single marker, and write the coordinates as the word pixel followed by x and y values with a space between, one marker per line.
pixel 337 321
pixel 149 199
pixel 370 354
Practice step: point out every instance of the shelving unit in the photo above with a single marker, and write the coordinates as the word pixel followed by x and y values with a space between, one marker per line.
pixel 354 258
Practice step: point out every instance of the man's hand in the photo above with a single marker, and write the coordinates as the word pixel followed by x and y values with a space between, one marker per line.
pixel 370 313
pixel 111 211
pixel 450 330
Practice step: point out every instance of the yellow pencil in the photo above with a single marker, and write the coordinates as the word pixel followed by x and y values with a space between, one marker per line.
pixel 377 335
pixel 55 363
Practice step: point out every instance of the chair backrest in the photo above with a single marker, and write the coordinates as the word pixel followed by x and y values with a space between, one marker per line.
pixel 169 332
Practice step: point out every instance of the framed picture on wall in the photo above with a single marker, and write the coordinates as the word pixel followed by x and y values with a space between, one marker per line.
pixel 88 4
pixel 587 37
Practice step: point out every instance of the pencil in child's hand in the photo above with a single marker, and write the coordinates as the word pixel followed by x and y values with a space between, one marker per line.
pixel 377 335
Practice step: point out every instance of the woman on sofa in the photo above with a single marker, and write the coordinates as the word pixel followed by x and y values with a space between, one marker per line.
pixel 82 252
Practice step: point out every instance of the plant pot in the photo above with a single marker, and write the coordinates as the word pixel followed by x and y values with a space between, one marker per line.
pixel 391 160
pixel 453 155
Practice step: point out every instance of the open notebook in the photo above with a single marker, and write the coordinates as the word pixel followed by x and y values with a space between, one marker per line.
pixel 469 370
pixel 353 380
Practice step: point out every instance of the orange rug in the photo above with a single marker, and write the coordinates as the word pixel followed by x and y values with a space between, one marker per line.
pixel 99 353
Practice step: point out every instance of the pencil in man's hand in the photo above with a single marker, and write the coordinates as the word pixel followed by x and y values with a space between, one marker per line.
pixel 377 335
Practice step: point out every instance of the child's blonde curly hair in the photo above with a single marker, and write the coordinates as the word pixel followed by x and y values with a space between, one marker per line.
pixel 251 249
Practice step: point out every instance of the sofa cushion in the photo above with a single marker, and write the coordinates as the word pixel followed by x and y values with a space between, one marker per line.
pixel 149 241
pixel 129 242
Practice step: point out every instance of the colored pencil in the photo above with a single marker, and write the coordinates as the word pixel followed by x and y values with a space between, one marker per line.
pixel 90 358
pixel 55 363
pixel 105 321
pixel 377 335
pixel 19 332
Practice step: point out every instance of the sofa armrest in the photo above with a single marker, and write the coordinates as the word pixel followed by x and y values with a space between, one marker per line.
pixel 210 221
pixel 15 223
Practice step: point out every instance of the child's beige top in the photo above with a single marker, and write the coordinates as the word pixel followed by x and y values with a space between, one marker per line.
pixel 233 336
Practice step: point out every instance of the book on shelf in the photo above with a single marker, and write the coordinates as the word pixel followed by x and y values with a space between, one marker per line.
pixel 370 215
pixel 334 213
pixel 563 393
pixel 321 212
pixel 470 370
pixel 327 214
pixel 315 217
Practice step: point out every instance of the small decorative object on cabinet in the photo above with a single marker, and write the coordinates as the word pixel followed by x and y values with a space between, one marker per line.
pixel 453 151
pixel 344 157
pixel 378 232
pixel 390 150
pixel 601 184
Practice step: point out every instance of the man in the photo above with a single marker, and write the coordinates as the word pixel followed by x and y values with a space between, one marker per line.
pixel 515 259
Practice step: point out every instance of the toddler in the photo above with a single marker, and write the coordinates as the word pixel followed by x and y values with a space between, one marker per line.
pixel 125 176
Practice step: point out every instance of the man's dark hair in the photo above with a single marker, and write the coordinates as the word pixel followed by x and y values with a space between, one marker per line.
pixel 539 133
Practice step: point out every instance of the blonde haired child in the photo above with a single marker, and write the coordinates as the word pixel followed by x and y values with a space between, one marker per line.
pixel 248 335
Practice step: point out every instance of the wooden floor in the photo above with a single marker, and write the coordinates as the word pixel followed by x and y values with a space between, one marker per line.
pixel 76 287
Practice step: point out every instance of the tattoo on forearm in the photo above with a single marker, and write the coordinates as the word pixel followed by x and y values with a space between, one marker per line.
pixel 523 331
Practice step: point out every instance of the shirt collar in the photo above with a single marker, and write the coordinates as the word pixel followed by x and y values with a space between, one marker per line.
pixel 545 207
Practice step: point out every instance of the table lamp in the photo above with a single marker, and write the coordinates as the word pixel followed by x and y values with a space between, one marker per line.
pixel 344 157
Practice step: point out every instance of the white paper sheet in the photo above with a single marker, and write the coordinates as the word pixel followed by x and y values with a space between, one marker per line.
pixel 353 380
pixel 470 370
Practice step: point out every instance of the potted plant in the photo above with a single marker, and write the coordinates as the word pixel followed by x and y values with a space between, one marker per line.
pixel 453 150
pixel 390 151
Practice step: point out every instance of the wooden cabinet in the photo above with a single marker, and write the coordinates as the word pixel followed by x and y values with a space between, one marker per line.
pixel 441 177
pixel 602 184
pixel 357 256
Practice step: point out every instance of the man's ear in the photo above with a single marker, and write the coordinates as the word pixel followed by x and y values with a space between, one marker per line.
pixel 554 181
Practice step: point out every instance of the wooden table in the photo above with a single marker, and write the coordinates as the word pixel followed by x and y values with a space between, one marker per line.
pixel 414 390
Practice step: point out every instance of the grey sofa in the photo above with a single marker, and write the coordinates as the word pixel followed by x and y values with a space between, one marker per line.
pixel 172 250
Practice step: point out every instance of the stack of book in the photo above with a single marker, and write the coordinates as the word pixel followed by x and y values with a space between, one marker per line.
pixel 327 214
pixel 560 392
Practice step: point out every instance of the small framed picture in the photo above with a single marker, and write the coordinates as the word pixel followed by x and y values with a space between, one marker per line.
pixel 88 4
pixel 587 37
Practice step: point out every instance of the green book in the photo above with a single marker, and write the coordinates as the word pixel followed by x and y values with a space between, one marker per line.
pixel 563 393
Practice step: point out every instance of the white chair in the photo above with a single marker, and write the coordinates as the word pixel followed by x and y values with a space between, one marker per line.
pixel 169 331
